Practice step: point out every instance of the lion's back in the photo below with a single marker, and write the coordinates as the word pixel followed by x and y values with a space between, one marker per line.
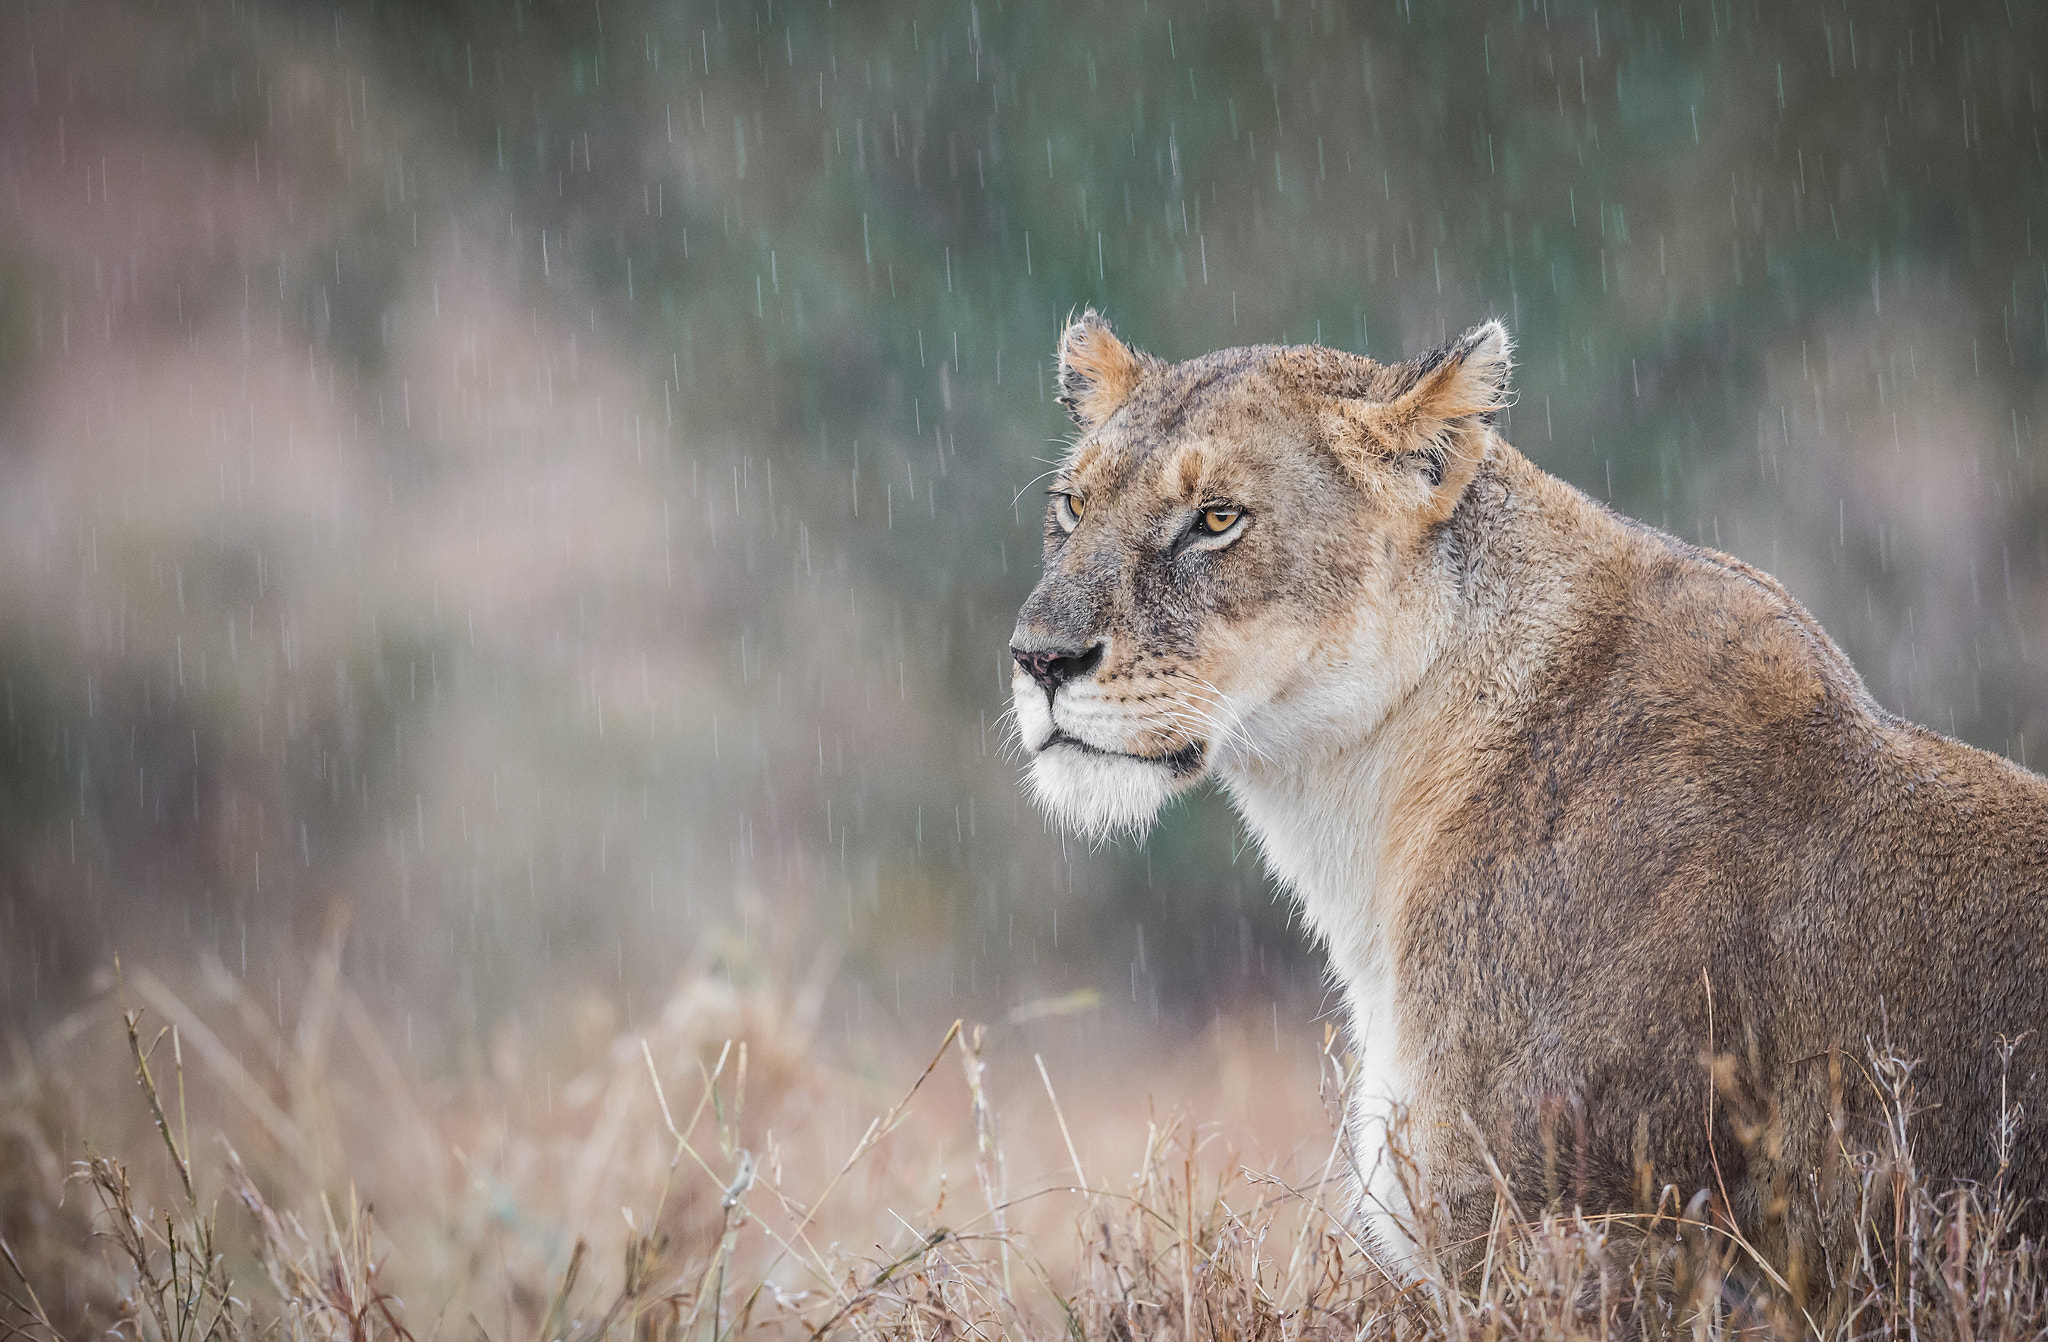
pixel 1708 834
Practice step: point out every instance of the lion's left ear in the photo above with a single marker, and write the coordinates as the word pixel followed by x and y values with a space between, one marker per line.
pixel 1439 423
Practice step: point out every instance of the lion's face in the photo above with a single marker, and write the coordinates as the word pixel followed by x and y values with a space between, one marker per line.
pixel 1224 531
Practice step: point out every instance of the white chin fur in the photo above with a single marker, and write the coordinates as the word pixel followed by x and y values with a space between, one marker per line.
pixel 1097 796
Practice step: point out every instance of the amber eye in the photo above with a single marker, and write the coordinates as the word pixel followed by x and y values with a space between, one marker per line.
pixel 1067 510
pixel 1219 520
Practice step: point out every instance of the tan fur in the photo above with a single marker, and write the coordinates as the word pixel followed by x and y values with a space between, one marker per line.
pixel 1599 829
pixel 1099 369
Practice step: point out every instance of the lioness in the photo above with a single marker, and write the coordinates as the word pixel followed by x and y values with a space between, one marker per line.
pixel 1623 872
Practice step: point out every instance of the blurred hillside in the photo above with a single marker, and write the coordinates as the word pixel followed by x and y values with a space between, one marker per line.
pixel 536 493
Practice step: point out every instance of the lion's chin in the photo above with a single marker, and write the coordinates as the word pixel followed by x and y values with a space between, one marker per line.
pixel 1098 796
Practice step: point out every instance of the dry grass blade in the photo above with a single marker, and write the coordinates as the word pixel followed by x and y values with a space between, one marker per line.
pixel 132 1021
pixel 1066 1135
pixel 34 1306
pixel 224 1063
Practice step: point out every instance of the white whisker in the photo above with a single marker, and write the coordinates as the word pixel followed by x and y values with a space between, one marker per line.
pixel 1014 498
pixel 1231 727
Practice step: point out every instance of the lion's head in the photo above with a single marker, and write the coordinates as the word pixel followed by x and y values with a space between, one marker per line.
pixel 1241 556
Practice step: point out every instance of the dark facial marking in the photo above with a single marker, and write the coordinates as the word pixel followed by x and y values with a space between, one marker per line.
pixel 1184 763
pixel 1170 417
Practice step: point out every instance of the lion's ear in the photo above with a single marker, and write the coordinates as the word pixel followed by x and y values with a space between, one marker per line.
pixel 1097 371
pixel 1440 423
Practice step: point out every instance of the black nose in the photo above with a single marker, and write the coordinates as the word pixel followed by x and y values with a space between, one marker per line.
pixel 1054 667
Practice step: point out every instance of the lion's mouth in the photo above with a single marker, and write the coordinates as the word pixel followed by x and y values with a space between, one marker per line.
pixel 1183 763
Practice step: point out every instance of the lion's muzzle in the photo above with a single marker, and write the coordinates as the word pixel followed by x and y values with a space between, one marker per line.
pixel 1053 664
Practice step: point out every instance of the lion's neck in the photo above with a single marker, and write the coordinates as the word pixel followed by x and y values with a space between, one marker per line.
pixel 1346 807
pixel 1348 798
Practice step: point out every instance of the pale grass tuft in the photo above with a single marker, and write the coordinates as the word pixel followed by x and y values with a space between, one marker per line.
pixel 706 1137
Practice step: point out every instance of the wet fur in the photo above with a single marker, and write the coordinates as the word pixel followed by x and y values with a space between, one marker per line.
pixel 1578 809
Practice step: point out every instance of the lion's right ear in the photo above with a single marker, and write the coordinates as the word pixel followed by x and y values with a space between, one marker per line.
pixel 1097 371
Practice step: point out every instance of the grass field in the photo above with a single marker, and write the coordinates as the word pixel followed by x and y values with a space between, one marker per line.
pixel 177 1167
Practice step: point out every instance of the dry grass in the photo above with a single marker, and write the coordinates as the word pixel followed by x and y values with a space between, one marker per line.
pixel 695 1163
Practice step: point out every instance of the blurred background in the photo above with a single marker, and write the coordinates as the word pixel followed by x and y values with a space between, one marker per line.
pixel 520 503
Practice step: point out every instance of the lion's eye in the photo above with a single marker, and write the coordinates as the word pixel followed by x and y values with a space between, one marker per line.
pixel 1067 509
pixel 1219 520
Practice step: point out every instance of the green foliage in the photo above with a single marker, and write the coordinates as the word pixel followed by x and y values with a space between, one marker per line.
pixel 785 278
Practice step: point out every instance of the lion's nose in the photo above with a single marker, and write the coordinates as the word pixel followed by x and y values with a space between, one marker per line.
pixel 1054 667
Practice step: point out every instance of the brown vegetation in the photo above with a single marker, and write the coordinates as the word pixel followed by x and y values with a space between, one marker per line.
pixel 695 1219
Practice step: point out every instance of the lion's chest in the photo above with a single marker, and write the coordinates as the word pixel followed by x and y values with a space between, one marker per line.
pixel 1322 836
